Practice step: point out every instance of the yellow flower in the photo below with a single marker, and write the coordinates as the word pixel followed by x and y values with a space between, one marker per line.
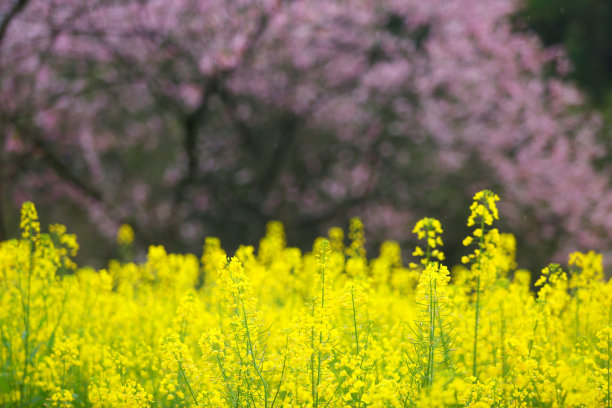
pixel 30 227
pixel 125 235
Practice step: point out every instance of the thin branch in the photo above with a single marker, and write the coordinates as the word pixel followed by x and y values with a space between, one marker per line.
pixel 6 21
pixel 334 210
pixel 280 155
pixel 63 171
pixel 192 123
pixel 3 189
pixel 229 102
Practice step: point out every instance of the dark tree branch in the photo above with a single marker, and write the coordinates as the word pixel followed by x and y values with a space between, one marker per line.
pixel 64 171
pixel 6 21
pixel 192 124
pixel 57 165
pixel 193 121
pixel 3 189
pixel 262 24
pixel 333 211
pixel 224 192
pixel 229 102
pixel 281 153
pixel 372 159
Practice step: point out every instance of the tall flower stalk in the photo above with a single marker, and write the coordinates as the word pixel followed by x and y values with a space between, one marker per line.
pixel 483 212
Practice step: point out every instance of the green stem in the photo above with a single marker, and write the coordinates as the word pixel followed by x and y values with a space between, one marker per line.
pixel 608 372
pixel 355 320
pixel 535 327
pixel 252 353
pixel 481 246
pixel 312 370
pixel 475 361
pixel 180 366
pixel 247 381
pixel 608 362
pixel 227 383
pixel 432 331
pixel 577 317
pixel 323 276
pixel 315 383
pixel 26 337
pixel 282 373
pixel 319 367
pixel 503 342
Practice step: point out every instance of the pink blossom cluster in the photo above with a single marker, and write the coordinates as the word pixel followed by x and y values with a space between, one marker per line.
pixel 159 112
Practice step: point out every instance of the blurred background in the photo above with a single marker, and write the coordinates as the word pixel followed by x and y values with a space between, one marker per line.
pixel 192 118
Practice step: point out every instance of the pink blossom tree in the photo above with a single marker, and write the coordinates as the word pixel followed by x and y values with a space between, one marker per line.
pixel 191 118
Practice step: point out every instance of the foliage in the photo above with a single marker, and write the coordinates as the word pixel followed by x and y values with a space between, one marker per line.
pixel 583 29
pixel 327 328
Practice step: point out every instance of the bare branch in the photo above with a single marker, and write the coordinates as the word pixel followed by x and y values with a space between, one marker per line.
pixel 333 211
pixel 230 103
pixel 281 154
pixel 6 21
pixel 65 172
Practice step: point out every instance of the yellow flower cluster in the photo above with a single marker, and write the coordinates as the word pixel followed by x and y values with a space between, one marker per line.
pixel 125 235
pixel 429 230
pixel 30 227
pixel 274 327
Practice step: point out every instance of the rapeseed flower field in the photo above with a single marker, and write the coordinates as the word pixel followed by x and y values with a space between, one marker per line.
pixel 275 327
